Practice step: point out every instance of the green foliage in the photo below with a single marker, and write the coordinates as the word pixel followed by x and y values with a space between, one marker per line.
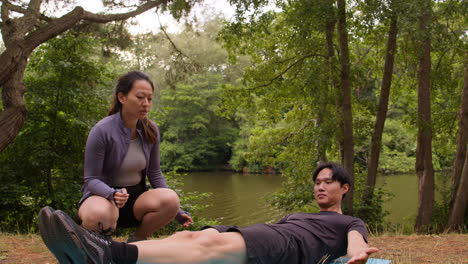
pixel 43 166
pixel 398 148
pixel 443 198
pixel 370 208
pixel 194 133
pixel 295 195
pixel 192 202
pixel 194 137
pixel 178 8
pixel 113 36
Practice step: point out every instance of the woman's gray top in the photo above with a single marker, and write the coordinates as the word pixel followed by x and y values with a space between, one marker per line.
pixel 132 166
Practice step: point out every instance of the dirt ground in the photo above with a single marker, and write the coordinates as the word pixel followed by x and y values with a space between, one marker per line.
pixel 446 248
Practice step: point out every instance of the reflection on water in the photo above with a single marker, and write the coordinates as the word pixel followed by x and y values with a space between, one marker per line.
pixel 403 206
pixel 238 199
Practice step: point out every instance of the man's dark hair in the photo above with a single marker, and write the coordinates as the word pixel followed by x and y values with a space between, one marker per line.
pixel 338 173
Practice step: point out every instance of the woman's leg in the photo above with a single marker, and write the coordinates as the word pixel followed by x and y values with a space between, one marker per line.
pixel 207 246
pixel 98 214
pixel 155 209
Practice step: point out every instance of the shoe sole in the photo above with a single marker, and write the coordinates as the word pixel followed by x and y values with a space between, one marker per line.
pixel 47 230
pixel 79 247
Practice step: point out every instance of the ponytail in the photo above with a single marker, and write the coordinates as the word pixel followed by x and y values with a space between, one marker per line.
pixel 115 107
pixel 149 130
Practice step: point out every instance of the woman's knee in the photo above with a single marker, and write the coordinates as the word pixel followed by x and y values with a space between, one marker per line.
pixel 162 199
pixel 97 213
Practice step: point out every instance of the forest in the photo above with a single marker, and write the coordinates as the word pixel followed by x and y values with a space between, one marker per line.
pixel 379 86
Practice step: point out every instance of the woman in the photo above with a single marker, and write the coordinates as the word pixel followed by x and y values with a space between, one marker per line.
pixel 121 151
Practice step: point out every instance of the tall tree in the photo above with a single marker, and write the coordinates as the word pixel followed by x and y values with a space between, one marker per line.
pixel 424 165
pixel 460 166
pixel 330 66
pixel 345 102
pixel 24 27
pixel 462 137
pixel 381 115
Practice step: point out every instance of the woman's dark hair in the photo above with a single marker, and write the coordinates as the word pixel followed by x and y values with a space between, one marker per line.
pixel 338 173
pixel 124 85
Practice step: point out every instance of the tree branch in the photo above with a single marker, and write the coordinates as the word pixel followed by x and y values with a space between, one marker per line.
pixel 286 70
pixel 4 11
pixel 53 29
pixel 292 134
pixel 35 6
pixel 172 42
pixel 12 7
pixel 365 55
pixel 100 18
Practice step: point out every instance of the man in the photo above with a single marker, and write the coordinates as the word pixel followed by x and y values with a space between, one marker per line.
pixel 297 238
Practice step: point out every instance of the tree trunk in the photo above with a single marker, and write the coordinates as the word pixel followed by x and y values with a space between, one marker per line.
pixel 460 166
pixel 424 167
pixel 14 115
pixel 458 209
pixel 462 137
pixel 348 141
pixel 332 82
pixel 376 142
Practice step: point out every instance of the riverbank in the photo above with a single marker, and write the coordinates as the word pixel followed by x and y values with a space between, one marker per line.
pixel 413 249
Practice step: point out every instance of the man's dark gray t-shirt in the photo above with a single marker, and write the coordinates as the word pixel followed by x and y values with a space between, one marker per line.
pixel 299 238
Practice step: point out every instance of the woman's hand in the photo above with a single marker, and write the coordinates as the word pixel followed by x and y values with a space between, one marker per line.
pixel 120 198
pixel 188 220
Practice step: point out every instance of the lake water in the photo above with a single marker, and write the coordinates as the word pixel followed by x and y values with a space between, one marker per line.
pixel 239 199
pixel 403 207
pixel 236 199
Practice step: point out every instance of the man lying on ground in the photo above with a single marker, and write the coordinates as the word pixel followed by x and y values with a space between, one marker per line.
pixel 297 238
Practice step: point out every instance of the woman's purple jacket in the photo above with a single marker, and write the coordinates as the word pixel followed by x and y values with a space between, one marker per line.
pixel 107 145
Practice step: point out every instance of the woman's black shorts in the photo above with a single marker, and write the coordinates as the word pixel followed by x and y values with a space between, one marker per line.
pixel 126 216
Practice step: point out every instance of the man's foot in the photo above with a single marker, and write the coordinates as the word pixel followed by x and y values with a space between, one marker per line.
pixel 47 229
pixel 82 245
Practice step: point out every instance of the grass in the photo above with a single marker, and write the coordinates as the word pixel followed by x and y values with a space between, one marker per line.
pixel 418 249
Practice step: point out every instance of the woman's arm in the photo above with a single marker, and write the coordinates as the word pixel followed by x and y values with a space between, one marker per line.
pixel 93 165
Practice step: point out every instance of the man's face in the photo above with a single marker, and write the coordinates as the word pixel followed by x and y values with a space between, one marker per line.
pixel 328 193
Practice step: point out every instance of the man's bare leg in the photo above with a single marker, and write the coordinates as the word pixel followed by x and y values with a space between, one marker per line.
pixel 79 245
pixel 206 246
